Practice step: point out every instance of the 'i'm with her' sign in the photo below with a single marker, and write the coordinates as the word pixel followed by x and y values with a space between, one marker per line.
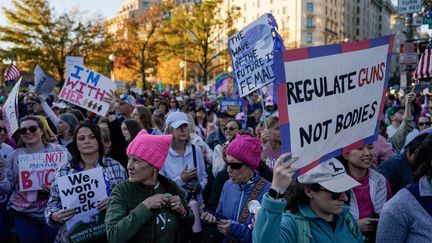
pixel 87 88
pixel 331 98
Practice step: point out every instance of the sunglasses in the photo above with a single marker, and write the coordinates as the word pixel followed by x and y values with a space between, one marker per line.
pixel 235 166
pixel 334 195
pixel 229 128
pixel 32 129
pixel 424 124
pixel 3 129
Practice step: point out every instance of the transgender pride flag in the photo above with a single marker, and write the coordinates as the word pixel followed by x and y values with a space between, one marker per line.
pixel 221 82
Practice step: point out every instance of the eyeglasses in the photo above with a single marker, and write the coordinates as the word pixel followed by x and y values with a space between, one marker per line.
pixel 334 195
pixel 229 129
pixel 3 129
pixel 235 166
pixel 420 124
pixel 32 129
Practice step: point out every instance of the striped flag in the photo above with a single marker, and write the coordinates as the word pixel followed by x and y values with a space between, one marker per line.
pixel 12 72
pixel 221 82
pixel 424 68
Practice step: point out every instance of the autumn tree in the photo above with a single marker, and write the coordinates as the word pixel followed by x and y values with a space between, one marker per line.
pixel 35 35
pixel 137 42
pixel 198 34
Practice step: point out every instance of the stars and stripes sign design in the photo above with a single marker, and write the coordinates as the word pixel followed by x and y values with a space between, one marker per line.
pixel 424 67
pixel 12 72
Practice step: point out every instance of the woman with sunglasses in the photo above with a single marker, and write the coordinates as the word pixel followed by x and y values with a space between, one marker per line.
pixel 87 143
pixel 231 128
pixel 245 184
pixel 315 209
pixel 366 200
pixel 28 207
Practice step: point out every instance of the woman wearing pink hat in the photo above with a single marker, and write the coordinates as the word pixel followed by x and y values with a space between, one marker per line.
pixel 147 207
pixel 243 156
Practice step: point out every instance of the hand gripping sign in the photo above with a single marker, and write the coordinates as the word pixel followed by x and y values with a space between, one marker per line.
pixel 331 98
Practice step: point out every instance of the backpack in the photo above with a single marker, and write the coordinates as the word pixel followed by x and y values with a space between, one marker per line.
pixel 304 234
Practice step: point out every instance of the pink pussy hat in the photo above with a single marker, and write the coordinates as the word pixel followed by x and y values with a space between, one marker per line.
pixel 151 148
pixel 246 149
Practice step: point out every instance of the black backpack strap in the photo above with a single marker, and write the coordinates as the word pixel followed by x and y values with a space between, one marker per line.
pixel 425 202
pixel 194 155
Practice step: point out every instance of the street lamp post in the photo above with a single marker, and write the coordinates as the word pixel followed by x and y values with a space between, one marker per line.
pixel 183 65
pixel 112 58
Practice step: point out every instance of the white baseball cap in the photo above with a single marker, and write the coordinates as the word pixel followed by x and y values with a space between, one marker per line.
pixel 331 175
pixel 176 119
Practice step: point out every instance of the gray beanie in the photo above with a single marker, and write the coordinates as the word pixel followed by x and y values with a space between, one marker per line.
pixel 71 120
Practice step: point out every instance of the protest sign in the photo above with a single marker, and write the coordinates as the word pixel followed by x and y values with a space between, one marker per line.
pixel 71 61
pixel 82 191
pixel 38 169
pixel 120 84
pixel 44 84
pixel 331 98
pixel 231 106
pixel 10 110
pixel 136 90
pixel 87 88
pixel 251 51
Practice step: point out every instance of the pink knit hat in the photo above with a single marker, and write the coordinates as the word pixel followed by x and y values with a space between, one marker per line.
pixel 151 148
pixel 246 149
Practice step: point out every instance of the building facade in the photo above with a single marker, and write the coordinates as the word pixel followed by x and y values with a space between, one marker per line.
pixel 319 22
pixel 130 10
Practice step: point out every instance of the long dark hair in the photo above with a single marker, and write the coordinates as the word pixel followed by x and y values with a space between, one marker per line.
pixel 76 159
pixel 296 196
pixel 423 158
pixel 133 127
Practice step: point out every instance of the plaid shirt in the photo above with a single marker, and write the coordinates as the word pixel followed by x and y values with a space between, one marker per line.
pixel 112 170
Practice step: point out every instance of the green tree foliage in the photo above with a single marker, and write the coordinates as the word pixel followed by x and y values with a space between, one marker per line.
pixel 35 35
pixel 198 34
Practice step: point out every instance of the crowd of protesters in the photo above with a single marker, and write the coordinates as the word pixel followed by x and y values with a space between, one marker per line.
pixel 177 168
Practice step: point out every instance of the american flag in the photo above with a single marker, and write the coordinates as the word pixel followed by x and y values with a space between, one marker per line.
pixel 424 68
pixel 12 72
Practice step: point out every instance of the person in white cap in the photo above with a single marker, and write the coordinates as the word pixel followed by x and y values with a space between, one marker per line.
pixel 316 205
pixel 185 161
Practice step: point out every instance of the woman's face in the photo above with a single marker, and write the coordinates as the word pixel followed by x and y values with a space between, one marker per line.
pixel 87 143
pixel 30 132
pixel 231 130
pixel 201 115
pixel 139 170
pixel 181 133
pixel 239 174
pixel 173 104
pixel 135 115
pixel 322 202
pixel 125 131
pixel 257 114
pixel 62 127
pixel 361 158
pixel 275 133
